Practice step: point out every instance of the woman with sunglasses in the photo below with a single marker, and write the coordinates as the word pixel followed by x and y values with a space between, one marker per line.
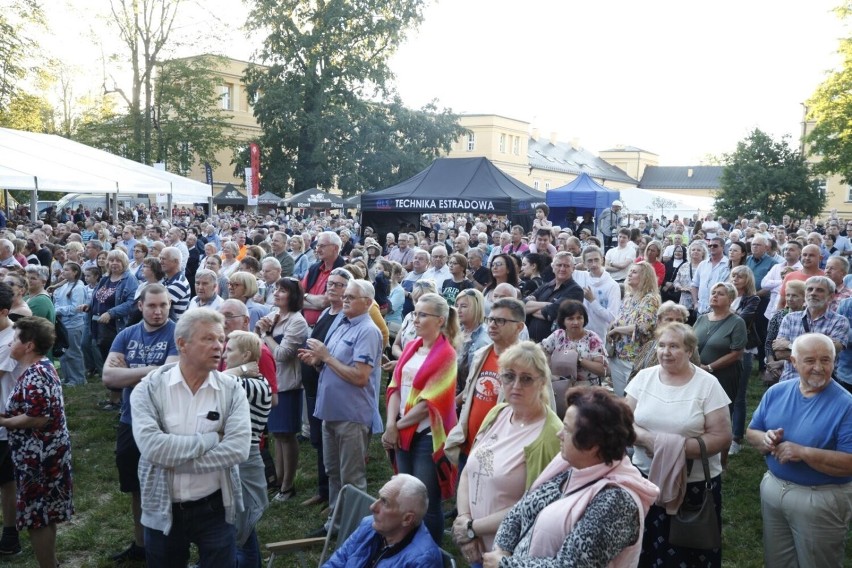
pixel 421 405
pixel 516 441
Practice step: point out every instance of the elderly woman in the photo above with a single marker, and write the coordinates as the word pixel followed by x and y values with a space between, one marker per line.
pixel 39 440
pixel 244 348
pixel 302 259
pixel 214 264
pixel 587 507
pixel 230 263
pixel 140 253
pixel 683 282
pixel 407 331
pixel 573 352
pixel 516 441
pixel 67 299
pixel 745 305
pixel 393 271
pixel 421 404
pixel 722 337
pixel 152 273
pixel 667 313
pixel 284 331
pixel 795 302
pixel 634 324
pixel 38 277
pixel 20 308
pixel 678 398
pixel 242 286
pixel 470 307
pixel 74 250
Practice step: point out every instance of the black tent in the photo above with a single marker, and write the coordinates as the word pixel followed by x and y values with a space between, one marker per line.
pixel 450 185
pixel 314 198
pixel 268 198
pixel 230 195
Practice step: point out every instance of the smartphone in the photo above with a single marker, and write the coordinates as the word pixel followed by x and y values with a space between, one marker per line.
pixel 385 359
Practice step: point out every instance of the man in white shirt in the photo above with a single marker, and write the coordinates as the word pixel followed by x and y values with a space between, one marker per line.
pixel 602 294
pixel 773 279
pixel 710 271
pixel 620 257
pixel 439 271
pixel 192 426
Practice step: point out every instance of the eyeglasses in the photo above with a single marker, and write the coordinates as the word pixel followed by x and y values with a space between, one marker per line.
pixel 321 245
pixel 418 315
pixel 713 246
pixel 331 284
pixel 511 378
pixel 350 297
pixel 233 316
pixel 499 322
pixel 497 264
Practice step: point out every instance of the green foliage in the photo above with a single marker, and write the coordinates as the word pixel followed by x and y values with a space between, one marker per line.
pixel 767 177
pixel 831 108
pixel 326 103
pixel 27 112
pixel 18 49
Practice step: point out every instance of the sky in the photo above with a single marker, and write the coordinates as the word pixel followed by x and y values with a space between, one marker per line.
pixel 685 80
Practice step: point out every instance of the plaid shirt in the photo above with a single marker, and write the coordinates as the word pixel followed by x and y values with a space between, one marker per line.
pixel 832 324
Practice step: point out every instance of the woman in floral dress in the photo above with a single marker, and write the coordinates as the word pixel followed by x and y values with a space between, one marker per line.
pixel 572 335
pixel 39 440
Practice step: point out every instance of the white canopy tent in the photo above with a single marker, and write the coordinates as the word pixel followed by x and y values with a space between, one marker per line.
pixel 657 203
pixel 44 162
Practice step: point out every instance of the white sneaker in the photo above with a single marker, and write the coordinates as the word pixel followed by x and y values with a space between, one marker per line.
pixel 735 449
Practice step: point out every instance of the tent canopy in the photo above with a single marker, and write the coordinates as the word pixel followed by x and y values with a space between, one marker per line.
pixel 472 185
pixel 31 161
pixel 268 198
pixel 230 195
pixel 577 197
pixel 657 203
pixel 314 198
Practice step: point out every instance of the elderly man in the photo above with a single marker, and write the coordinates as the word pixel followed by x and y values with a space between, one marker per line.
pixel 270 272
pixel 543 305
pixel 811 257
pixel 816 318
pixel 476 272
pixel 836 269
pixel 206 291
pixel 279 253
pixel 136 351
pixel 128 240
pixel 403 253
pixel 419 263
pixel 175 281
pixel 438 271
pixel 609 223
pixel 328 258
pixel 710 271
pixel 775 277
pixel 462 245
pixel 93 247
pixel 395 534
pixel 804 430
pixel 350 366
pixel 192 426
pixel 236 317
pixel 176 238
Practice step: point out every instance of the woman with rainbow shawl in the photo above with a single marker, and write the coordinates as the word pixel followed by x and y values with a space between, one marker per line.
pixel 421 405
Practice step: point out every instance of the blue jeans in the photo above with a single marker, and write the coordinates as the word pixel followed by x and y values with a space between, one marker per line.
pixel 417 461
pixel 316 442
pixel 248 555
pixel 204 525
pixel 739 414
pixel 91 353
pixel 72 369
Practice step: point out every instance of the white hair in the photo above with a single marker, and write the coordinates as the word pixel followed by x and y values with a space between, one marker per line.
pixel 364 287
pixel 808 339
pixel 411 495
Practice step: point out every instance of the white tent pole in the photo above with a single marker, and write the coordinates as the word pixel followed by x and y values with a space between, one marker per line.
pixel 34 202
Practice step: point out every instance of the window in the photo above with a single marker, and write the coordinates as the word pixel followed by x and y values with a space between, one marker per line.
pixel 502 143
pixel 535 184
pixel 546 185
pixel 226 93
pixel 471 142
pixel 516 145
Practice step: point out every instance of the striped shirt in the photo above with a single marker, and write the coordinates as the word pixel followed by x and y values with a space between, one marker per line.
pixel 260 403
pixel 178 287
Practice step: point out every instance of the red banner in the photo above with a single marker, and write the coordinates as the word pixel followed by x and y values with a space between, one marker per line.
pixel 255 169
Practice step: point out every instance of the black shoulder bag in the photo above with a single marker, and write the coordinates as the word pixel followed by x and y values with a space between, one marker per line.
pixel 696 526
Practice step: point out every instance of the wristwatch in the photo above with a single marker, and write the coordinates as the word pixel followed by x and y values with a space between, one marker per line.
pixel 243 369
pixel 471 534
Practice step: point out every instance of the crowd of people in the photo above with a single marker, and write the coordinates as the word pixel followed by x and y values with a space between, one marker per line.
pixel 559 384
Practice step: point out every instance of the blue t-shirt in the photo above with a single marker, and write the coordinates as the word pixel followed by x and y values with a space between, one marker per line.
pixel 822 421
pixel 142 348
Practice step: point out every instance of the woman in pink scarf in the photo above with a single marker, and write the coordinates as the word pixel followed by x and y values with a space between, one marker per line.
pixel 587 507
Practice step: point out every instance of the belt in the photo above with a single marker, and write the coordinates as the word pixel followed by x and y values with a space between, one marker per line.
pixel 212 498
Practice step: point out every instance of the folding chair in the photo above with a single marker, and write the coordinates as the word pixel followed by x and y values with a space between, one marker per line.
pixel 449 561
pixel 352 505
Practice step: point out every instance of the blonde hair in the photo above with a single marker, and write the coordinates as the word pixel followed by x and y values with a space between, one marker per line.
pixel 247 280
pixel 750 288
pixel 450 328
pixel 246 341
pixel 647 281
pixel 528 354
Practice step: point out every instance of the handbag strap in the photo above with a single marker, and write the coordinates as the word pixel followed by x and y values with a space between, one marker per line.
pixel 704 461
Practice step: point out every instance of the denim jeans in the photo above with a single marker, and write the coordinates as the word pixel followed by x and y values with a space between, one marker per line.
pixel 316 442
pixel 248 555
pixel 739 415
pixel 417 461
pixel 72 369
pixel 205 526
pixel 91 353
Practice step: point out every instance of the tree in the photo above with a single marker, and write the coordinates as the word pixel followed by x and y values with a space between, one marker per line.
pixel 325 99
pixel 17 46
pixel 662 204
pixel 767 177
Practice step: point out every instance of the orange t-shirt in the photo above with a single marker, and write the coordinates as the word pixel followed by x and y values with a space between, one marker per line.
pixel 485 394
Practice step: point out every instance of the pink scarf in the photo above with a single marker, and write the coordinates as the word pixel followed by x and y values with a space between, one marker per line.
pixel 558 519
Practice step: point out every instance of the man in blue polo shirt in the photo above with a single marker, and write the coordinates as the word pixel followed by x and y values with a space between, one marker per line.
pixel 350 367
pixel 135 352
pixel 760 263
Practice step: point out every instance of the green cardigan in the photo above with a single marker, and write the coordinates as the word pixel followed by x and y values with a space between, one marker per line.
pixel 538 454
pixel 41 305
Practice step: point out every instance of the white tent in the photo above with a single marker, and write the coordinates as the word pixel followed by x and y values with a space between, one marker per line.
pixel 44 162
pixel 657 203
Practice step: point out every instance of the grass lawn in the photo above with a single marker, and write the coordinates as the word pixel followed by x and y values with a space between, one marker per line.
pixel 102 525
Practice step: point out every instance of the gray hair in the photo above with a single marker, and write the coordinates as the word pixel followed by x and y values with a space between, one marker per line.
pixel 191 320
pixel 342 272
pixel 411 495
pixel 271 260
pixel 171 252
pixel 844 262
pixel 824 280
pixel 364 287
pixel 43 272
pixel 422 251
pixel 332 238
pixel 205 273
pixel 236 306
pixel 812 338
pixel 513 305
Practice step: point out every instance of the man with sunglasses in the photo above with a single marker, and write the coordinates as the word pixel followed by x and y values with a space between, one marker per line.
pixel 710 271
pixel 314 283
pixel 483 387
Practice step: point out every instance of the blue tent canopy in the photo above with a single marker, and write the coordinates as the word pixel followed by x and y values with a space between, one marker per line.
pixel 581 195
